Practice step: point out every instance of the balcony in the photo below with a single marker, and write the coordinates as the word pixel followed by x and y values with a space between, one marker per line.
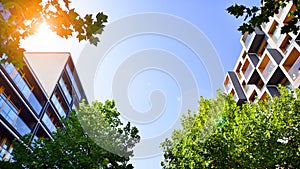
pixel 48 123
pixel 9 112
pixel 248 71
pixel 65 90
pixel 248 89
pixel 247 39
pixel 275 31
pixel 294 71
pixel 58 106
pixel 268 70
pixel 236 90
pixel 74 84
pixel 292 64
pixel 5 155
pixel 227 84
pixel 252 41
pixel 23 85
pixel 273 91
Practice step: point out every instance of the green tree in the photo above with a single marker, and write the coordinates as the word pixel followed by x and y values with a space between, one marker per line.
pixel 255 16
pixel 264 134
pixel 20 19
pixel 72 147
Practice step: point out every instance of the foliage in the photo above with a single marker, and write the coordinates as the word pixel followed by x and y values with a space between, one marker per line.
pixel 255 16
pixel 264 134
pixel 20 19
pixel 73 148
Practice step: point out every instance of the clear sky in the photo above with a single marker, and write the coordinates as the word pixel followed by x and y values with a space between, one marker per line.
pixel 154 72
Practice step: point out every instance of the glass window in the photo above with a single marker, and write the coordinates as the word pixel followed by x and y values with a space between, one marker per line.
pixel 73 81
pixel 275 31
pixel 23 86
pixel 58 106
pixel 35 103
pixel 10 114
pixel 48 122
pixel 65 89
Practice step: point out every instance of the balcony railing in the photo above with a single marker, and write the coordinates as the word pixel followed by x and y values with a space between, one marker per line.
pixel 10 114
pixel 23 86
pixel 294 71
pixel 49 124
pixel 58 106
pixel 248 71
pixel 268 69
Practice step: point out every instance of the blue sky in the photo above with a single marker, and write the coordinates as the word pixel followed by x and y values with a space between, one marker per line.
pixel 211 20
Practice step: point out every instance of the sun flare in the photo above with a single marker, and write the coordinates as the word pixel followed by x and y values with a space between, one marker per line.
pixel 44 29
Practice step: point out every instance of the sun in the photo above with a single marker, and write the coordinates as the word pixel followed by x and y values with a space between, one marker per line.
pixel 43 29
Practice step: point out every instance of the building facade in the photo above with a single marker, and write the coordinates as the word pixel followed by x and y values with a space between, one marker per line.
pixel 268 59
pixel 35 99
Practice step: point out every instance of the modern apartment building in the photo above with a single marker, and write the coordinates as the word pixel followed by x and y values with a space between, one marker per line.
pixel 268 58
pixel 35 99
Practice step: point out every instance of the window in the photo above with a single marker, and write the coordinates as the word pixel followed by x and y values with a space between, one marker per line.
pixel 23 85
pixel 73 82
pixel 5 148
pixel 287 44
pixel 65 89
pixel 57 104
pixel 10 113
pixel 49 122
pixel 275 31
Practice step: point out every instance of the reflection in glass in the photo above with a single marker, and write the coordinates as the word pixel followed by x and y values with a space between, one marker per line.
pixel 10 114
pixel 65 90
pixel 73 81
pixel 58 106
pixel 23 86
pixel 49 124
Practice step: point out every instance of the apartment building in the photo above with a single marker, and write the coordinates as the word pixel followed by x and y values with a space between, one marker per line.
pixel 268 58
pixel 35 99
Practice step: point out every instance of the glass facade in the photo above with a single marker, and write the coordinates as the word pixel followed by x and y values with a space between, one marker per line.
pixel 248 71
pixel 10 114
pixel 268 69
pixel 58 106
pixel 70 74
pixel 65 89
pixel 48 122
pixel 248 40
pixel 276 33
pixel 23 86
pixel 294 71
pixel 25 104
pixel 5 149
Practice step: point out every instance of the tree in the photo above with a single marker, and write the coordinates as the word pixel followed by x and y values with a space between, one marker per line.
pixel 255 16
pixel 72 146
pixel 264 134
pixel 20 19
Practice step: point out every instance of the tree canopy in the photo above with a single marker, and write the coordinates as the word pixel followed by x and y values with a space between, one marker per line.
pixel 264 134
pixel 255 16
pixel 20 19
pixel 73 147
